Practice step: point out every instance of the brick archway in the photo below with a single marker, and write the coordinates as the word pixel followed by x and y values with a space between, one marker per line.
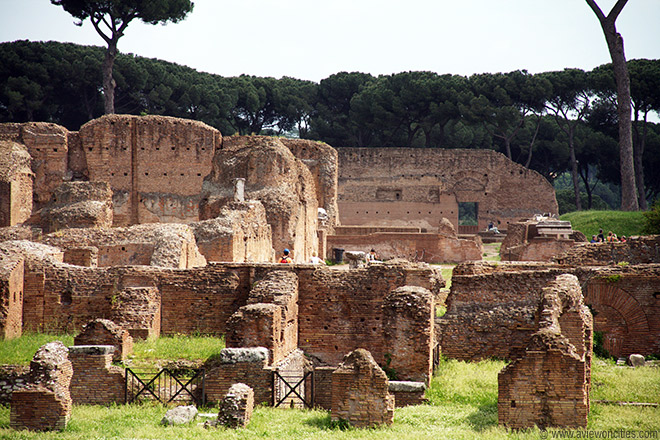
pixel 619 316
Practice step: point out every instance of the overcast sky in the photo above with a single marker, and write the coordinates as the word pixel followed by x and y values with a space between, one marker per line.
pixel 312 39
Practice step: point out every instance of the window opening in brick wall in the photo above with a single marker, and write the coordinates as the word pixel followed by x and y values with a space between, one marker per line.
pixel 468 213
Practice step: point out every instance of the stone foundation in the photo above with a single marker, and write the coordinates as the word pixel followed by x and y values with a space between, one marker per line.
pixel 95 381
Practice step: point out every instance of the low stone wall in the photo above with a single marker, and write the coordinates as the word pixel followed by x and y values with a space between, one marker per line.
pixel 408 393
pixel 637 250
pixel 12 378
pixel 95 381
pixel 240 365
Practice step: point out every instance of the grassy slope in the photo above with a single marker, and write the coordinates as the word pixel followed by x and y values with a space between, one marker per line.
pixel 619 222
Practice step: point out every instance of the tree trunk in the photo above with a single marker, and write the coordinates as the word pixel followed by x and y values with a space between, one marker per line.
pixel 638 153
pixel 108 80
pixel 615 46
pixel 574 172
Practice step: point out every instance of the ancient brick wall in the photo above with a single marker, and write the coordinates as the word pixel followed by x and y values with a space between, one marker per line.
pixel 360 392
pixel 106 332
pixel 48 146
pixel 431 248
pixel 394 187
pixel 95 381
pixel 408 393
pixel 323 387
pixel 341 311
pixel 270 319
pixel 321 159
pixel 408 315
pixel 15 183
pixel 239 233
pixel 548 384
pixel 141 156
pixel 491 307
pixel 12 377
pixel 240 365
pixel 45 402
pixel 273 176
pixel 87 256
pixel 11 296
pixel 637 250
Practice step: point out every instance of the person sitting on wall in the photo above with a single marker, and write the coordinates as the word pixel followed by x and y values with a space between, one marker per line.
pixel 493 228
pixel 315 259
pixel 594 239
pixel 601 237
pixel 285 257
pixel 372 257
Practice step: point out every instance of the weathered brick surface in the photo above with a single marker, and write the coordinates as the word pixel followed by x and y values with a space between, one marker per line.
pixel 408 393
pixel 240 365
pixel 236 407
pixel 12 377
pixel 106 332
pixel 136 154
pixel 82 256
pixel 11 296
pixel 276 178
pixel 360 392
pixel 45 403
pixel 408 316
pixel 95 381
pixel 637 250
pixel 548 384
pixel 394 187
pixel 431 248
pixel 323 387
pixel 15 183
pixel 491 308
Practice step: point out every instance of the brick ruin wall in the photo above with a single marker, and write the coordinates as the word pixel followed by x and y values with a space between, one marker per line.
pixel 338 311
pixel 394 187
pixel 274 176
pixel 637 250
pixel 15 183
pixel 135 155
pixel 11 296
pixel 548 383
pixel 492 308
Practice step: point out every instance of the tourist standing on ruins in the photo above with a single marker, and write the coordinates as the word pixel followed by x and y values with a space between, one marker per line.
pixel 315 259
pixel 285 257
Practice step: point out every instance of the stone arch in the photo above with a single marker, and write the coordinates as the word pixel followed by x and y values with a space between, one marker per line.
pixel 630 333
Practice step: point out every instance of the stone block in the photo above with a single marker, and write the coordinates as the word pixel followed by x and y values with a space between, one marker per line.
pixel 236 407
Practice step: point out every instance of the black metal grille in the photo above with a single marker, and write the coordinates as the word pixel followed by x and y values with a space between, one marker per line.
pixel 293 390
pixel 165 386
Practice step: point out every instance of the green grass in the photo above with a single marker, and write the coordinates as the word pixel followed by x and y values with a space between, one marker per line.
pixel 20 351
pixel 156 351
pixel 446 275
pixel 462 405
pixel 619 222
pixel 146 354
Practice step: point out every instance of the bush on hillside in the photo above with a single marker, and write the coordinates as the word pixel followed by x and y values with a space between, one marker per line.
pixel 566 201
pixel 652 219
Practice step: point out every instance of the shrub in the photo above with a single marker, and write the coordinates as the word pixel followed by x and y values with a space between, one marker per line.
pixel 652 219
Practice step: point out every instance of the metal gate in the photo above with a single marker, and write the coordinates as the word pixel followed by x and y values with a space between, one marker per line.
pixel 165 386
pixel 291 389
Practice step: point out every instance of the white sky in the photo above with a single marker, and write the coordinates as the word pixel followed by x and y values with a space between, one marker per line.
pixel 312 39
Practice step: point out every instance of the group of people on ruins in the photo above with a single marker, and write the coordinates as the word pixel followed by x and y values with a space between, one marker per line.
pixel 611 238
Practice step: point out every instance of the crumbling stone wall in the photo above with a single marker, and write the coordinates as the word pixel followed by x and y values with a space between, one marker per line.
pixel 360 392
pixel 11 296
pixel 45 403
pixel 538 239
pixel 106 332
pixel 394 187
pixel 408 316
pixel 47 145
pixel 322 161
pixel 637 250
pixel 166 245
pixel 76 205
pixel 273 176
pixel 548 384
pixel 95 381
pixel 15 183
pixel 140 157
pixel 240 365
pixel 12 378
pixel 270 319
pixel 491 308
pixel 431 248
pixel 240 233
